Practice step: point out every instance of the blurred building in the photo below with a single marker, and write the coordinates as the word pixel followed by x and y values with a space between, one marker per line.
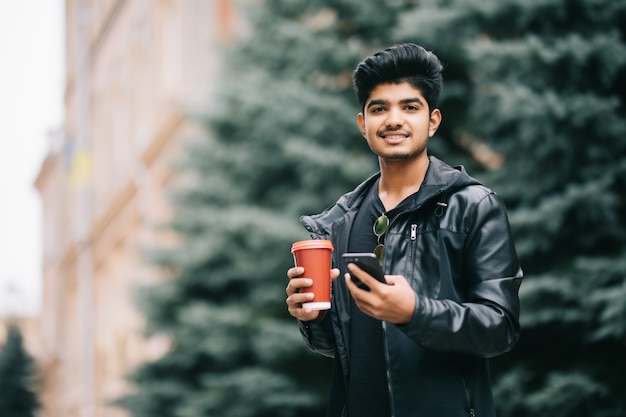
pixel 133 70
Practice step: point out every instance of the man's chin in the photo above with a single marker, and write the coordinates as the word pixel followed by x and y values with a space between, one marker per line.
pixel 402 156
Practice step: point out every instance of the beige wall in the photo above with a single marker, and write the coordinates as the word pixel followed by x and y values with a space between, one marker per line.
pixel 133 68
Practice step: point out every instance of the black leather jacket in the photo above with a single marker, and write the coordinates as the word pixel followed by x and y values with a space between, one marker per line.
pixel 454 246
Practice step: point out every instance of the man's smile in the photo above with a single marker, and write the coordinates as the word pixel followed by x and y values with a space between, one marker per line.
pixel 394 137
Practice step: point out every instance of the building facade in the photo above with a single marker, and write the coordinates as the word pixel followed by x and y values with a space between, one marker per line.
pixel 134 70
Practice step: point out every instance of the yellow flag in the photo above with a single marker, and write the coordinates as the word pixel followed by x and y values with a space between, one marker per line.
pixel 80 170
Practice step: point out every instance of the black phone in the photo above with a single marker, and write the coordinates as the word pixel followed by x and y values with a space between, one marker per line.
pixel 367 262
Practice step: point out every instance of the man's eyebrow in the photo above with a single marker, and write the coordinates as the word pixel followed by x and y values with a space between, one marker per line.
pixel 412 100
pixel 403 101
pixel 376 103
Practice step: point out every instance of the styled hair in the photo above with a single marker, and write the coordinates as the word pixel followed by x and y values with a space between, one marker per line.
pixel 397 64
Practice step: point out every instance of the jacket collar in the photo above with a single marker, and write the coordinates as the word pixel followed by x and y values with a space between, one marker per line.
pixel 440 178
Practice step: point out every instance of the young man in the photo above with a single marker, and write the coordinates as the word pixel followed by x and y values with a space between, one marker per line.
pixel 419 344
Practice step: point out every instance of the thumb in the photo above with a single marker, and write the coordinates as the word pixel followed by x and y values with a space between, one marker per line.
pixel 334 274
pixel 394 279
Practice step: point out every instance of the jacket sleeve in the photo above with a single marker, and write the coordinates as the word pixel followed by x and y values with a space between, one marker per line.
pixel 318 335
pixel 485 322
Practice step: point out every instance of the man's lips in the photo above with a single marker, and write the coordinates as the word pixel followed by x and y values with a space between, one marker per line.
pixel 393 137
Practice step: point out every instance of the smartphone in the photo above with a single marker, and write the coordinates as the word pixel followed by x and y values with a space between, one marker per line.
pixel 368 263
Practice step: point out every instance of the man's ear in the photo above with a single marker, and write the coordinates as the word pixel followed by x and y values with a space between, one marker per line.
pixel 360 120
pixel 435 121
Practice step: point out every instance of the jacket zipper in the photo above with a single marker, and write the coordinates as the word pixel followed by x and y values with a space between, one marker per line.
pixel 392 221
pixel 388 369
pixel 384 324
pixel 385 344
pixel 468 397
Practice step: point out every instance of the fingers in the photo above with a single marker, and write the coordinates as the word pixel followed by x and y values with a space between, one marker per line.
pixel 295 298
pixel 352 287
pixel 295 280
pixel 296 284
pixel 295 301
pixel 362 276
pixel 296 271
pixel 367 301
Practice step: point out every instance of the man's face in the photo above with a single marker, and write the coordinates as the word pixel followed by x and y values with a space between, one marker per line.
pixel 397 123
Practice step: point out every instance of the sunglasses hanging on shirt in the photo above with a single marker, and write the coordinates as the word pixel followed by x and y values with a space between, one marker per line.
pixel 380 228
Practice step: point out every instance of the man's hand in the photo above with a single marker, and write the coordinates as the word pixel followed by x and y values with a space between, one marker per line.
pixel 393 302
pixel 295 298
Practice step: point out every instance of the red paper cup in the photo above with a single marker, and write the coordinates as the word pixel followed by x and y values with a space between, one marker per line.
pixel 315 257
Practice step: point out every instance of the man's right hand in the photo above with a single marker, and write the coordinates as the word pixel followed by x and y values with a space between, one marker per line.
pixel 295 298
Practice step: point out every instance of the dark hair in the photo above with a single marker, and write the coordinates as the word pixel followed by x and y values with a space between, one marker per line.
pixel 400 63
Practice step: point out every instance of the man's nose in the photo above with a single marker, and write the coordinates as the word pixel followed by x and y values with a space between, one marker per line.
pixel 394 118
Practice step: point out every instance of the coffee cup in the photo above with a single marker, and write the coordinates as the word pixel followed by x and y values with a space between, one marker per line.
pixel 315 257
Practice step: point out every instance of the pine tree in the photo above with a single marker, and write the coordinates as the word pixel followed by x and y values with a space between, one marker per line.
pixel 546 90
pixel 18 397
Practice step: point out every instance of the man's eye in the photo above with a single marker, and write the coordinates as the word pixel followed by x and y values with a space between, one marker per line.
pixel 377 109
pixel 411 108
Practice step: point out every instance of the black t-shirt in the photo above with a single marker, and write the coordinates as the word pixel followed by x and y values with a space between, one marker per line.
pixel 368 394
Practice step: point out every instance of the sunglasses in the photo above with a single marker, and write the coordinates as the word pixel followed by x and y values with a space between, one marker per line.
pixel 380 228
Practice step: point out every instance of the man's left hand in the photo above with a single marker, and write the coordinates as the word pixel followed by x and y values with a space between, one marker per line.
pixel 393 302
